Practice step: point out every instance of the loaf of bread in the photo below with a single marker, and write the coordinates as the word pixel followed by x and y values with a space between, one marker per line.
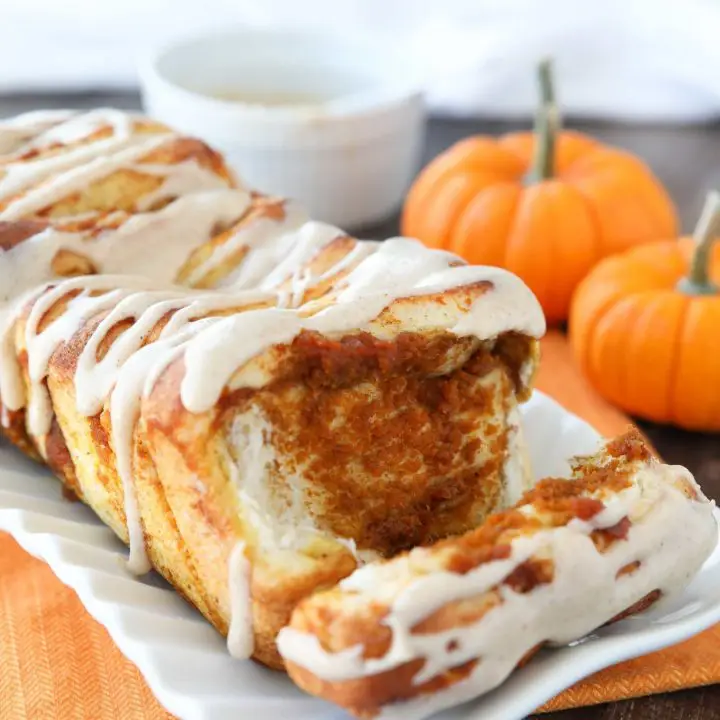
pixel 255 402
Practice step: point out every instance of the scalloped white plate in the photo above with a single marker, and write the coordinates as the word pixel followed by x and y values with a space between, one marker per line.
pixel 185 662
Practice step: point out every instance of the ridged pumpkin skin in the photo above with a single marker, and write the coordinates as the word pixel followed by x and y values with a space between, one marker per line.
pixel 473 200
pixel 647 347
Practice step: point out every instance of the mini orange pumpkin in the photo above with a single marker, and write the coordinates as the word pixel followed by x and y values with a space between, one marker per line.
pixel 546 210
pixel 645 328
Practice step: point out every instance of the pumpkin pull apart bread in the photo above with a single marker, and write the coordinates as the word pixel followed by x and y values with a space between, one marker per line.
pixel 259 404
pixel 443 624
pixel 266 405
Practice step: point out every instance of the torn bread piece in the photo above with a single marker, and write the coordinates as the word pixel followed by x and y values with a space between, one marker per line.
pixel 444 624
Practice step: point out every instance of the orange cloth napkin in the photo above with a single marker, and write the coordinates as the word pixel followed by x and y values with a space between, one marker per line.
pixel 57 663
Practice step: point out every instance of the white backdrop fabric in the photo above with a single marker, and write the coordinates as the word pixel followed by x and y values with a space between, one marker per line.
pixel 645 60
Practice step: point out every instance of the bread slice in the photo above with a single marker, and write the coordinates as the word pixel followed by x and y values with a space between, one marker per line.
pixel 440 625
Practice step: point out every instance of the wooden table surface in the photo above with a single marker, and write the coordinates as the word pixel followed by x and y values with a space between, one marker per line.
pixel 687 159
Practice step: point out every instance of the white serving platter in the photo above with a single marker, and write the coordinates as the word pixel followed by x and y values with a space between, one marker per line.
pixel 185 662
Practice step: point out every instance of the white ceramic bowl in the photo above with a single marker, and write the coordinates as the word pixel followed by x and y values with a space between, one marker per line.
pixel 348 157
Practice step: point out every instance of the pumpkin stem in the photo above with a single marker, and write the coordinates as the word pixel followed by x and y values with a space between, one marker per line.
pixel 547 126
pixel 546 82
pixel 706 232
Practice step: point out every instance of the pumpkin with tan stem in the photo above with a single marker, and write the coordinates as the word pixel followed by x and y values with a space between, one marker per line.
pixel 645 327
pixel 546 205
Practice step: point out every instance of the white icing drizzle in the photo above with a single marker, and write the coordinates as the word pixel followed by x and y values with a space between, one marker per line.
pixel 41 345
pixel 267 242
pixel 77 127
pixel 153 244
pixel 78 177
pixel 17 131
pixel 132 379
pixel 180 178
pixel 125 365
pixel 240 639
pixel 58 174
pixel 12 391
pixel 95 379
pixel 302 280
pixel 21 173
pixel 304 245
pixel 670 536
pixel 127 383
pixel 399 268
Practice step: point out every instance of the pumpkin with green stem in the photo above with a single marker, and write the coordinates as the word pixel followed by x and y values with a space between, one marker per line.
pixel 546 205
pixel 644 327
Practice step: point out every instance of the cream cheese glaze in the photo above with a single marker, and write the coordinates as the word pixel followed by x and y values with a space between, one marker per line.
pixel 21 171
pixel 154 245
pixel 240 639
pixel 262 239
pixel 31 184
pixel 398 268
pixel 178 178
pixel 670 535
pixel 307 242
pixel 16 132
